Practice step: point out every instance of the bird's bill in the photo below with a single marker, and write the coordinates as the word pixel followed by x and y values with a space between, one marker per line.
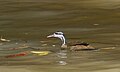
pixel 49 36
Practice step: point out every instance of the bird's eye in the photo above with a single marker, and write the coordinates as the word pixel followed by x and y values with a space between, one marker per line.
pixel 56 33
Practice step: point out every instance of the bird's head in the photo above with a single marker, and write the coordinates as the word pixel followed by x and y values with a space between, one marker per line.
pixel 59 35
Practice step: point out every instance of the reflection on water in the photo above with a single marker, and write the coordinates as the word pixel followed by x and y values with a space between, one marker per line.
pixel 27 23
pixel 62 55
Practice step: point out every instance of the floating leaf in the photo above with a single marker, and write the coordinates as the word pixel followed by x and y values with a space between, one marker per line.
pixel 41 53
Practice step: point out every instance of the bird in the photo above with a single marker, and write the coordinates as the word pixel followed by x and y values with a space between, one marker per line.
pixel 73 47
pixel 4 40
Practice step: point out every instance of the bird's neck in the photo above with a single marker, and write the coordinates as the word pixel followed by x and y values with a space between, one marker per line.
pixel 64 45
pixel 64 41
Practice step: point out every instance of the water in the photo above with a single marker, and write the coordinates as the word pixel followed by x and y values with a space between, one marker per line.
pixel 96 22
